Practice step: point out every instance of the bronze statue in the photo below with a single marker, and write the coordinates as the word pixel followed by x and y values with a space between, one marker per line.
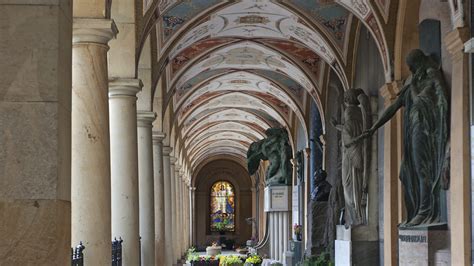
pixel 425 167
pixel 323 188
pixel 356 155
pixel 277 150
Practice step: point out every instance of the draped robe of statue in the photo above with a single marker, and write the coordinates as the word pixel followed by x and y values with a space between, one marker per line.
pixel 425 165
pixel 355 157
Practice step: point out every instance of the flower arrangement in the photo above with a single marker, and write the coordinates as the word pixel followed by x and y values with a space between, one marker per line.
pixel 231 260
pixel 254 260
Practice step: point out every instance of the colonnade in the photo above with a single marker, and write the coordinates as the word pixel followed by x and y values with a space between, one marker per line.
pixel 125 182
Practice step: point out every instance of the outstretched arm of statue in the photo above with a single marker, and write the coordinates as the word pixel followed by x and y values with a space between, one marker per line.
pixel 335 124
pixel 386 115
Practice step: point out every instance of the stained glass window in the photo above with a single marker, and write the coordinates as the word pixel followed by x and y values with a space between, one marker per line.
pixel 222 207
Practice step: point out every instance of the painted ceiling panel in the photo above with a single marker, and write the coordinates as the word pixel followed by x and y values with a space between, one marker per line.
pixel 225 127
pixel 229 114
pixel 240 82
pixel 256 19
pixel 332 17
pixel 179 14
pixel 245 55
pixel 236 100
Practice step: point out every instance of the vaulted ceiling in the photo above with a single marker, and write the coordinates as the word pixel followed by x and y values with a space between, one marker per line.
pixel 232 69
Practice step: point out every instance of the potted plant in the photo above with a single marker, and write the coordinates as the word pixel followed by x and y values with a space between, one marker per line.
pixel 253 260
pixel 214 249
pixel 231 260
pixel 298 228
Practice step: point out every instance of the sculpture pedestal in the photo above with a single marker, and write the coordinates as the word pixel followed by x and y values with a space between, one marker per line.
pixel 319 239
pixel 352 247
pixel 424 246
pixel 277 205
pixel 343 246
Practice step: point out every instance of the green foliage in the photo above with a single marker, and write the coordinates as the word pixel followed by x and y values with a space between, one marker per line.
pixel 254 259
pixel 231 260
pixel 322 260
pixel 192 255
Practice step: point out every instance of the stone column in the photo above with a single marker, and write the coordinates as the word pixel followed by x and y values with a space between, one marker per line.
pixel 192 191
pixel 91 211
pixel 168 205
pixel 183 212
pixel 173 227
pixel 146 187
pixel 35 132
pixel 160 242
pixel 391 181
pixel 460 199
pixel 124 166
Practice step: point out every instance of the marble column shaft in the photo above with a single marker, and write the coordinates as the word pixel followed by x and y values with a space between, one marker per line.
pixel 124 166
pixel 146 186
pixel 168 206
pixel 174 239
pixel 391 181
pixel 91 198
pixel 35 132
pixel 159 184
pixel 460 183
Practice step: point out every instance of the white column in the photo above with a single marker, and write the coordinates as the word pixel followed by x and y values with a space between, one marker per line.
pixel 191 213
pixel 124 166
pixel 173 227
pixel 90 171
pixel 169 258
pixel 160 242
pixel 146 187
pixel 182 213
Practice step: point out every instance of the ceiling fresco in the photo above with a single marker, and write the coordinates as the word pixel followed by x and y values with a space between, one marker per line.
pixel 226 115
pixel 240 82
pixel 238 101
pixel 256 19
pixel 244 55
pixel 331 16
pixel 178 15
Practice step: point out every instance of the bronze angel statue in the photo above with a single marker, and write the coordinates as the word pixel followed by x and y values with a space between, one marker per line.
pixel 356 119
pixel 277 150
pixel 425 166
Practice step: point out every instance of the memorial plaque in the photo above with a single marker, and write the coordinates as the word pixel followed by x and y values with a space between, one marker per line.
pixel 423 246
pixel 277 198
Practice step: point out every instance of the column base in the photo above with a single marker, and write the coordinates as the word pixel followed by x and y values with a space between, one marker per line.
pixel 424 245
pixel 28 226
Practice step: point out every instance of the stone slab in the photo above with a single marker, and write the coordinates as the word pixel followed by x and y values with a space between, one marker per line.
pixel 35 232
pixel 277 198
pixel 343 249
pixel 423 246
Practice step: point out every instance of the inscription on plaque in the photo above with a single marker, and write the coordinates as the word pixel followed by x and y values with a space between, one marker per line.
pixel 412 238
pixel 277 198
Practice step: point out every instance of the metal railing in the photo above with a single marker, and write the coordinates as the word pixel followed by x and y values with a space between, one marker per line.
pixel 77 257
pixel 117 252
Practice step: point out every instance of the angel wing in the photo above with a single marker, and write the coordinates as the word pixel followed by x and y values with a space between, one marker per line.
pixel 367 124
pixel 254 156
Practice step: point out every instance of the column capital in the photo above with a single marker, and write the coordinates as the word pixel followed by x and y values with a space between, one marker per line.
pixel 158 137
pixel 173 160
pixel 145 118
pixel 89 30
pixel 389 91
pixel 124 87
pixel 455 40
pixel 167 150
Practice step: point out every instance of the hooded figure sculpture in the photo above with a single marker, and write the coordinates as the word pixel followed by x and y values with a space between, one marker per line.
pixel 425 165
